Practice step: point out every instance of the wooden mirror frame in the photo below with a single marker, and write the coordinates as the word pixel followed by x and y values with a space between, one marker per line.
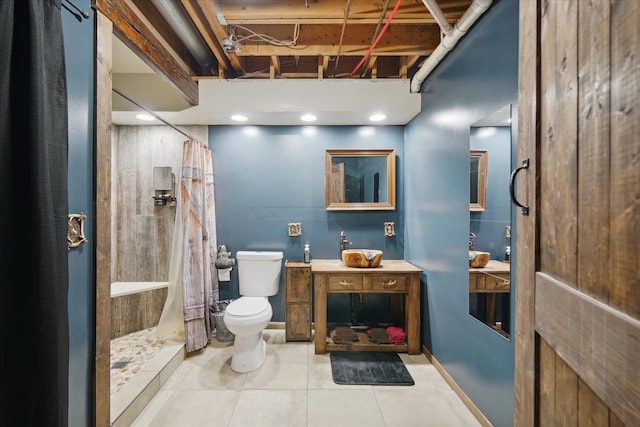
pixel 389 204
pixel 482 157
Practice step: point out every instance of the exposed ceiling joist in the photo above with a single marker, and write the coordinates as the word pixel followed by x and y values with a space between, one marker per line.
pixel 141 40
pixel 203 16
pixel 283 39
pixel 322 12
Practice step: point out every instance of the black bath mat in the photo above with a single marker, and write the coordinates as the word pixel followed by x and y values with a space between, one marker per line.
pixel 369 368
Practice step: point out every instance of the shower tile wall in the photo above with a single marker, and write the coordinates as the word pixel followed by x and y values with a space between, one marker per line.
pixel 142 232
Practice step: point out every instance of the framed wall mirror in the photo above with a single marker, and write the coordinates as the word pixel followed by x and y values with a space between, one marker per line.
pixel 490 144
pixel 360 180
pixel 478 160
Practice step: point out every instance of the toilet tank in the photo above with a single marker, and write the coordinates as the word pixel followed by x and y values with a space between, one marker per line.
pixel 259 272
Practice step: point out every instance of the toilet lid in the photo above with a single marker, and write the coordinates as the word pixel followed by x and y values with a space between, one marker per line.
pixel 247 306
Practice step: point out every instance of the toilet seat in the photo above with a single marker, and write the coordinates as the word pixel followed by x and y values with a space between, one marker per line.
pixel 248 307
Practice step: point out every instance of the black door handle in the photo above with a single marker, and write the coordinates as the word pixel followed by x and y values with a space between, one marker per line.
pixel 512 183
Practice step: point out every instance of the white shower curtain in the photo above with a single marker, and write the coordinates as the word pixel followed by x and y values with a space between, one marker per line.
pixel 193 279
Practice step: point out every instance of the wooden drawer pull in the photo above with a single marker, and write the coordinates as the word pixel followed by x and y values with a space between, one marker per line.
pixel 389 284
pixel 345 284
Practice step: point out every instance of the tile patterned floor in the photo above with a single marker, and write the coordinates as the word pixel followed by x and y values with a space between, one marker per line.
pixel 132 351
pixel 294 387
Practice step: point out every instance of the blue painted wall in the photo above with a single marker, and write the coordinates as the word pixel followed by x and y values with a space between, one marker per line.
pixel 269 176
pixel 476 79
pixel 79 57
pixel 256 199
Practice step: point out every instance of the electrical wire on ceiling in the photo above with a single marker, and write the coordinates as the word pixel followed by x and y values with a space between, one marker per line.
pixel 377 31
pixel 257 73
pixel 264 37
pixel 393 13
pixel 344 26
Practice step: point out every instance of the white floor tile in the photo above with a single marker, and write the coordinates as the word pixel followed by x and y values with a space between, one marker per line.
pixel 294 388
pixel 270 408
pixel 192 408
pixel 344 408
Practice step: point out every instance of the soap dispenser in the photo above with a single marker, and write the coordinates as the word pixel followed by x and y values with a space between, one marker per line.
pixel 307 253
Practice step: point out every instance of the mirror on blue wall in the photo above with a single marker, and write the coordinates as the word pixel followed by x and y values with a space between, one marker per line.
pixel 360 180
pixel 477 180
pixel 490 226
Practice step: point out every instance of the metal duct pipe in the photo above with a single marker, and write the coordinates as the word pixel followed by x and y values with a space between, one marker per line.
pixel 186 31
pixel 475 10
pixel 437 14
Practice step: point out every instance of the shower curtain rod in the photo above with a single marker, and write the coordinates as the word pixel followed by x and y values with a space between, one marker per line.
pixel 78 13
pixel 152 113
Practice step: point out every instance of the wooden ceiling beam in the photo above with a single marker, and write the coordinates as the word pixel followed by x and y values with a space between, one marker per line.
pixel 403 67
pixel 325 40
pixel 331 12
pixel 369 65
pixel 164 30
pixel 411 61
pixel 299 75
pixel 203 15
pixel 137 35
pixel 274 67
pixel 325 21
pixel 323 66
pixel 330 50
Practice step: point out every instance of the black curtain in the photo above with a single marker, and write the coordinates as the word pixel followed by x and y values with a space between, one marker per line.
pixel 34 333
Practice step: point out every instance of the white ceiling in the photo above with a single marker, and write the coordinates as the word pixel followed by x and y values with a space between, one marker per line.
pixel 264 102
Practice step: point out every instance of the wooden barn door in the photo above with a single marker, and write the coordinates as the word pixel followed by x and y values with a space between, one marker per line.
pixel 578 251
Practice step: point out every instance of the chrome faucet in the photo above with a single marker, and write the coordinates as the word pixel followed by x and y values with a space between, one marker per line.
pixel 471 238
pixel 343 243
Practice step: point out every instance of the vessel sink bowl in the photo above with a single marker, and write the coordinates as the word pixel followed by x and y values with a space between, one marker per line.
pixel 478 259
pixel 362 258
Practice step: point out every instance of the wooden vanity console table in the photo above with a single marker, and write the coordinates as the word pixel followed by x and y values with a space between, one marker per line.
pixel 490 280
pixel 392 276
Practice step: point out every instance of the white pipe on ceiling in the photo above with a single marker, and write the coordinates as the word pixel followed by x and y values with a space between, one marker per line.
pixel 439 17
pixel 475 10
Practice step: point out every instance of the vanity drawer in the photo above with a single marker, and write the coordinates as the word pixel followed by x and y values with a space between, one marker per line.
pixel 497 282
pixel 388 283
pixel 472 282
pixel 489 282
pixel 345 282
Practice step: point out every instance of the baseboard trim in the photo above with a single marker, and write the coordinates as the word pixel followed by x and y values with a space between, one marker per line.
pixel 275 325
pixel 457 389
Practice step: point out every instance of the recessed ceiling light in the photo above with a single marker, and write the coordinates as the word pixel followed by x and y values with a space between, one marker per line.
pixel 239 118
pixel 145 117
pixel 308 118
pixel 377 117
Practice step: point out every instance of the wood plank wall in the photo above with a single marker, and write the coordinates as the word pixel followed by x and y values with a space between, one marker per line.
pixel 589 213
pixel 135 312
pixel 102 167
pixel 142 232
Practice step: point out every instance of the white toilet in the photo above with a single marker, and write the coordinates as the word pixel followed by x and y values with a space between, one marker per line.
pixel 246 317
